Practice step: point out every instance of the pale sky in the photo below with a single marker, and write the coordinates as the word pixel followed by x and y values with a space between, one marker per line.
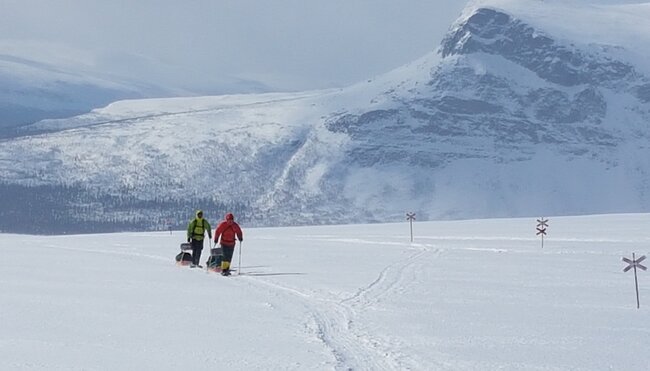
pixel 204 44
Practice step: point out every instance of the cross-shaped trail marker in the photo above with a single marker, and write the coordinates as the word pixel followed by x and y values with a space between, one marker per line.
pixel 634 264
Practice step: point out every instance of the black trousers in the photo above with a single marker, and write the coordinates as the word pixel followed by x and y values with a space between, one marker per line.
pixel 197 247
pixel 227 252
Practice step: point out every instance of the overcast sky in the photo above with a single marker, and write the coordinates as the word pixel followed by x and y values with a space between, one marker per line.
pixel 200 44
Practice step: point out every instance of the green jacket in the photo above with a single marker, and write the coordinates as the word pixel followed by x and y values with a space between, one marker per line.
pixel 197 228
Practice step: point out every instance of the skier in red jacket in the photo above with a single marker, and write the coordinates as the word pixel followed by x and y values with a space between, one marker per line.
pixel 227 230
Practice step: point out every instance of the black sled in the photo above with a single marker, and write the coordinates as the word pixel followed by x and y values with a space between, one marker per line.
pixel 214 261
pixel 185 256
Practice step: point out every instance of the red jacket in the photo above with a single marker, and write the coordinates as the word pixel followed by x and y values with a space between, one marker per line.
pixel 227 230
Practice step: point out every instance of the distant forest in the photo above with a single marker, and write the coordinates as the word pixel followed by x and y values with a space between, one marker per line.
pixel 48 209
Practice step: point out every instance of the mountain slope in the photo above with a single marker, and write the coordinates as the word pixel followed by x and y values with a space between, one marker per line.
pixel 32 90
pixel 516 114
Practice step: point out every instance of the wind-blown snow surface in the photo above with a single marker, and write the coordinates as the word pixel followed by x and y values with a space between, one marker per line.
pixel 465 295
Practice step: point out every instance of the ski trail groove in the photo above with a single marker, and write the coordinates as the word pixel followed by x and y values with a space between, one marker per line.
pixel 383 285
pixel 331 325
pixel 333 321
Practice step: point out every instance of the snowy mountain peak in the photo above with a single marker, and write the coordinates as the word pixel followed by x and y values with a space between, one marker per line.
pixel 518 114
pixel 494 32
pixel 618 23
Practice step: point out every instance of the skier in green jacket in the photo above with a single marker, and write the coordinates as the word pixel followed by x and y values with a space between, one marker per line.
pixel 195 233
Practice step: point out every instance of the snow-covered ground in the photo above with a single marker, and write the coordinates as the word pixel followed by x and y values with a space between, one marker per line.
pixel 465 295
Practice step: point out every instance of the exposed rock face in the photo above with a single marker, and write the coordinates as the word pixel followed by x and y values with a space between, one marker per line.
pixel 493 32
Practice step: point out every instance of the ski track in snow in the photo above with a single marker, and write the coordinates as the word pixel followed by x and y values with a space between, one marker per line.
pixel 336 321
pixel 341 321
pixel 351 347
pixel 336 327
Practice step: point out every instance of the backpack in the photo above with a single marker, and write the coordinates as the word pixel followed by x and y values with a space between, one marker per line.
pixel 197 226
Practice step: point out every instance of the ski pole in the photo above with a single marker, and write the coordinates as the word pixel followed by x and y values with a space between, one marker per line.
pixel 207 268
pixel 239 264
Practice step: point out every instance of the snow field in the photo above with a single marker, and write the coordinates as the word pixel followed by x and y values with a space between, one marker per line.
pixel 465 295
